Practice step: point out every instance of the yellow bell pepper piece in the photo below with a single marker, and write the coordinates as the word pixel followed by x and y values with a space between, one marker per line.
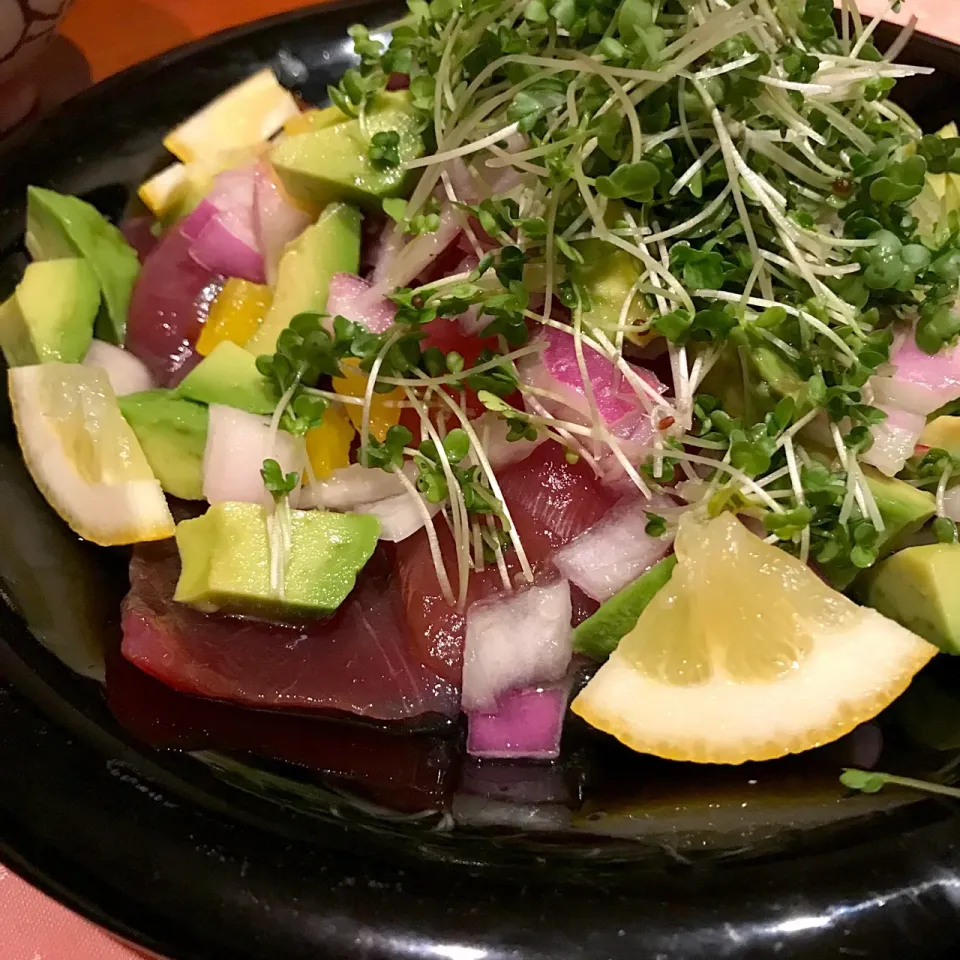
pixel 354 384
pixel 235 314
pixel 328 446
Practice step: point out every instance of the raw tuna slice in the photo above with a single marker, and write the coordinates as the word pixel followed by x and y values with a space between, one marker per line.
pixel 170 302
pixel 551 502
pixel 400 769
pixel 358 662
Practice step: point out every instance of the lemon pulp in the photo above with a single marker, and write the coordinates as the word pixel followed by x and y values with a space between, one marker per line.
pixel 735 606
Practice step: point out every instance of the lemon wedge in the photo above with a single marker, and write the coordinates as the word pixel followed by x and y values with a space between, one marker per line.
pixel 83 455
pixel 746 655
pixel 247 114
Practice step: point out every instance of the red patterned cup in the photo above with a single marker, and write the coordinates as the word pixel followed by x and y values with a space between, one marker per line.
pixel 26 27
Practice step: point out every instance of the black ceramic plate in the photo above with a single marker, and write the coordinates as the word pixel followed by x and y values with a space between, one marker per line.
pixel 350 843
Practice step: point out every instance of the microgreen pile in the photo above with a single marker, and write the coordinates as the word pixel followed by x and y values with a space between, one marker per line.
pixel 743 166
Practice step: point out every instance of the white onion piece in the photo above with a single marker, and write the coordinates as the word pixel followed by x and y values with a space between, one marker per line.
pixel 615 551
pixel 348 487
pixel 126 373
pixel 277 220
pixel 400 516
pixel 352 297
pixel 237 444
pixel 910 397
pixel 514 642
pixel 951 504
pixel 472 322
pixel 501 452
pixel 894 440
pixel 411 260
pixel 475 182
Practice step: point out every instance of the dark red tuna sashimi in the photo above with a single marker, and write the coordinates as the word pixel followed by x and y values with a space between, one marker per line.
pixel 403 771
pixel 435 628
pixel 551 502
pixel 170 302
pixel 357 662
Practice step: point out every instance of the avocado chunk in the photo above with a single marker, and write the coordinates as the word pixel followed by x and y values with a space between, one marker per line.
pixel 173 433
pixel 226 561
pixel 333 163
pixel 60 227
pixel 904 510
pixel 943 433
pixel 229 376
pixel 607 275
pixel 917 587
pixel 331 245
pixel 49 318
pixel 319 118
pixel 597 637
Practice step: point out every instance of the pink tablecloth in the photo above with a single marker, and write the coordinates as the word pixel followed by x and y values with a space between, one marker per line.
pixel 34 927
pixel 37 928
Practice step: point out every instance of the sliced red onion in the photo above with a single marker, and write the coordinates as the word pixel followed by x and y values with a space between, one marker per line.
pixel 616 551
pixel 527 723
pixel 237 444
pixel 627 416
pixel 347 488
pixel 219 248
pixel 501 452
pixel 921 383
pixel 227 242
pixel 400 516
pixel 515 642
pixel 399 266
pixel 126 373
pixel 352 297
pixel 894 440
pixel 557 369
pixel 277 219
pixel 192 225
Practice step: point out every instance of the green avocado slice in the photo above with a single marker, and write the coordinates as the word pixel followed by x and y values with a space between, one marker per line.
pixel 50 316
pixel 173 434
pixel 226 561
pixel 597 637
pixel 60 227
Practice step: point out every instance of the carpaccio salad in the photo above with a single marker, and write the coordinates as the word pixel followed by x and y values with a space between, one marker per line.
pixel 610 336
